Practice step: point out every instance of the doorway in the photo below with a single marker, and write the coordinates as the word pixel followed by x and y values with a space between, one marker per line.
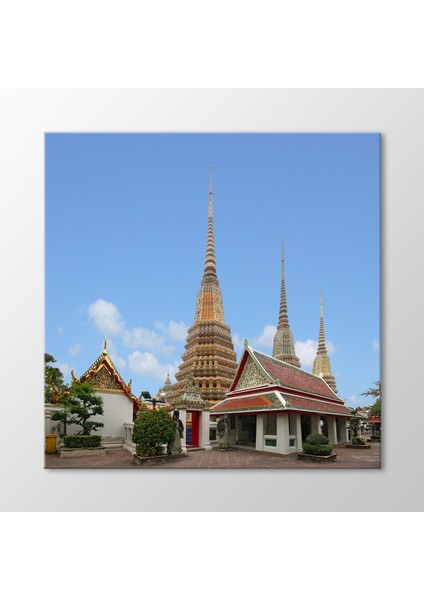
pixel 192 429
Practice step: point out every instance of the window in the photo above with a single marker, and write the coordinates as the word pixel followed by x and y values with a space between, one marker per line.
pixel 271 424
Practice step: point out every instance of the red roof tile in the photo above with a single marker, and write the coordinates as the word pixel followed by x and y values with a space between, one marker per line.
pixel 259 402
pixel 295 378
pixel 316 405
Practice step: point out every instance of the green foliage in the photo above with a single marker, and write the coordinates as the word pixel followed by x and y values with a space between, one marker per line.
pixel 82 441
pixel 374 392
pixel 54 386
pixel 358 441
pixel 318 444
pixel 152 428
pixel 79 406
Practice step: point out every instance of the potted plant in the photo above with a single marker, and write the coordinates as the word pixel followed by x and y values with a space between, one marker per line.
pixel 317 448
pixel 153 431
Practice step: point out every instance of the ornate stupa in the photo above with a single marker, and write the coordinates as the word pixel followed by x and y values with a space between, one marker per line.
pixel 209 361
pixel 162 394
pixel 321 365
pixel 283 339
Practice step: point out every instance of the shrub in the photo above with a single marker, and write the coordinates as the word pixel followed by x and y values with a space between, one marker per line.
pixel 358 441
pixel 82 441
pixel 317 444
pixel 152 429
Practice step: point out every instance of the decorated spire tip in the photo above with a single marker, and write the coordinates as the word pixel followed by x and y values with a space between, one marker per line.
pixel 105 345
pixel 321 312
pixel 210 180
pixel 246 343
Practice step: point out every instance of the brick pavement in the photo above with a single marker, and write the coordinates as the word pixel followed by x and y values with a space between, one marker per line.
pixel 119 458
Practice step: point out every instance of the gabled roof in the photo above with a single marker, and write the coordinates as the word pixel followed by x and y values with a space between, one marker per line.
pixel 287 376
pixel 277 401
pixel 105 377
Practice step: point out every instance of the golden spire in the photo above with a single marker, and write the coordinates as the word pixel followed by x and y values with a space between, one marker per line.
pixel 283 339
pixel 209 299
pixel 105 345
pixel 321 365
pixel 210 260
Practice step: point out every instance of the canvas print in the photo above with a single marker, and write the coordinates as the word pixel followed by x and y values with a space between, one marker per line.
pixel 212 301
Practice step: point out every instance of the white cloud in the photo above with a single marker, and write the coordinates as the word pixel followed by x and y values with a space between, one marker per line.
pixel 266 338
pixel 376 346
pixel 64 368
pixel 75 349
pixel 238 344
pixel 60 330
pixel 331 348
pixel 106 317
pixel 306 352
pixel 353 401
pixel 145 363
pixel 175 331
pixel 145 338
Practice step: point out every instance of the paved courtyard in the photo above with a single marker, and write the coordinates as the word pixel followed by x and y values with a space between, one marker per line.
pixel 119 458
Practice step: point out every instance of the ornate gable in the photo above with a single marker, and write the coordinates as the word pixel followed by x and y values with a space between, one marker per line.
pixel 251 376
pixel 104 380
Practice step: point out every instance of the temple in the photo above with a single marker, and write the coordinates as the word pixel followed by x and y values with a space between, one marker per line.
pixel 321 365
pixel 273 406
pixel 283 339
pixel 209 362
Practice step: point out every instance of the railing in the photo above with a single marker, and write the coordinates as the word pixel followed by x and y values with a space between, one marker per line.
pixel 128 430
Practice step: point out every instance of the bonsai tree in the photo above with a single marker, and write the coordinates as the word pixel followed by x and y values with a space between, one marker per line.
pixel 355 421
pixel 54 386
pixel 80 405
pixel 152 429
pixel 317 444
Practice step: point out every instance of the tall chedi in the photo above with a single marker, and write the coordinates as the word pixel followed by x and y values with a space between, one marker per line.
pixel 209 360
pixel 283 339
pixel 322 362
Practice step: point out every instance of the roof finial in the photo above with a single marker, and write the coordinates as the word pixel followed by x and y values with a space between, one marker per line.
pixel 321 312
pixel 105 345
pixel 210 181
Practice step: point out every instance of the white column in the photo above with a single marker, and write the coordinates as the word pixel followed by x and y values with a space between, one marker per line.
pixel 315 424
pixel 183 417
pixel 343 429
pixel 259 432
pixel 332 431
pixel 299 434
pixel 283 433
pixel 238 428
pixel 204 441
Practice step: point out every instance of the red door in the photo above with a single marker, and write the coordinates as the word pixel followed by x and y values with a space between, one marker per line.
pixel 193 421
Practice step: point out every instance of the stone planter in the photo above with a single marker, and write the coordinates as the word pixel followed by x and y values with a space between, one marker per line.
pixel 147 461
pixel 76 452
pixel 358 446
pixel 317 457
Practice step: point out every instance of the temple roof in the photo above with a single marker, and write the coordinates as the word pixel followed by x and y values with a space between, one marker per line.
pixel 105 377
pixel 286 376
pixel 278 401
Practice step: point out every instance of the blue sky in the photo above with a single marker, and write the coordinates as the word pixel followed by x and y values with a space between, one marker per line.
pixel 126 225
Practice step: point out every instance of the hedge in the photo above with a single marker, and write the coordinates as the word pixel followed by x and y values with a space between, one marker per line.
pixel 82 441
pixel 317 444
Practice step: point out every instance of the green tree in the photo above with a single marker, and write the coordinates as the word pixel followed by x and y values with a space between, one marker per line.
pixel 54 386
pixel 152 429
pixel 374 392
pixel 80 405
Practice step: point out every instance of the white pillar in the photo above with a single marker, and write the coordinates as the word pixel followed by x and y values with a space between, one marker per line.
pixel 183 417
pixel 315 424
pixel 238 429
pixel 299 434
pixel 283 433
pixel 259 432
pixel 343 429
pixel 204 441
pixel 332 431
